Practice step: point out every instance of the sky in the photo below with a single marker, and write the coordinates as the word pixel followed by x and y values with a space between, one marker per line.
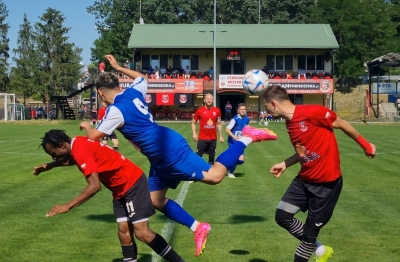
pixel 81 24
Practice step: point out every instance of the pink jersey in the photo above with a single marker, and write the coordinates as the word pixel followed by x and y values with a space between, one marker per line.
pixel 312 136
pixel 116 172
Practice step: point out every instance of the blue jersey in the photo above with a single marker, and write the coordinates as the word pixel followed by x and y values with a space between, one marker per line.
pixel 130 115
pixel 236 126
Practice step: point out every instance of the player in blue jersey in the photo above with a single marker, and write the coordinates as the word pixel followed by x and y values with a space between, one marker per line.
pixel 234 130
pixel 170 156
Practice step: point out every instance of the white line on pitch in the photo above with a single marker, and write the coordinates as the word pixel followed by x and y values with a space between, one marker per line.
pixel 168 228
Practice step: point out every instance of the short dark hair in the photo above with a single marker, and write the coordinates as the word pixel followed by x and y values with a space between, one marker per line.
pixel 55 138
pixel 107 80
pixel 275 92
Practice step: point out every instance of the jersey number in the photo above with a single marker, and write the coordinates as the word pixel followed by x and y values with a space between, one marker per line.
pixel 130 209
pixel 142 108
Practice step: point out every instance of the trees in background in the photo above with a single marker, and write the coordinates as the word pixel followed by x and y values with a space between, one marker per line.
pixel 4 48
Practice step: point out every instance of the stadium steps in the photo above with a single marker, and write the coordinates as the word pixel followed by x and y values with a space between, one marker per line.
pixel 66 111
pixel 389 110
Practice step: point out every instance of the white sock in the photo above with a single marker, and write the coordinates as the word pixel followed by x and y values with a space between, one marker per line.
pixel 194 226
pixel 320 250
pixel 246 140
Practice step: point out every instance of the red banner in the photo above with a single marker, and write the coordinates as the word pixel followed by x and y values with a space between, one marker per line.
pixel 185 86
pixel 367 103
pixel 165 99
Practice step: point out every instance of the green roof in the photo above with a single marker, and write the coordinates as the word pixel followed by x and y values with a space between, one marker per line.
pixel 282 36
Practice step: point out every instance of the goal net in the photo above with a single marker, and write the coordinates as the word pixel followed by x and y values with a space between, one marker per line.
pixel 9 110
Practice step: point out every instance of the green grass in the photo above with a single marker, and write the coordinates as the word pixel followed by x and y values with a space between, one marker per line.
pixel 364 227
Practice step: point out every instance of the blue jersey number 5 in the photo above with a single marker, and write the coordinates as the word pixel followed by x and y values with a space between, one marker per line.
pixel 142 108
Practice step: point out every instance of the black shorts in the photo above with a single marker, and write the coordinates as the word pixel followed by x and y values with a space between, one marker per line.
pixel 206 146
pixel 112 136
pixel 318 199
pixel 135 205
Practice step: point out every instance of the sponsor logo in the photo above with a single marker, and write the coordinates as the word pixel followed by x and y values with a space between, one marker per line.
pixel 319 224
pixel 83 166
pixel 165 98
pixel 303 126
pixel 148 98
pixel 183 99
pixel 214 114
pixel 327 115
pixel 325 86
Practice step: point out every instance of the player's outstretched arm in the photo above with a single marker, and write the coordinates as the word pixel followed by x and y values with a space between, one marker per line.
pixel 131 73
pixel 278 169
pixel 90 190
pixel 91 132
pixel 349 130
pixel 46 167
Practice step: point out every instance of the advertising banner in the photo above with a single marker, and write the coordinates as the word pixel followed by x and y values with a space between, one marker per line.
pixel 385 88
pixel 293 86
pixel 187 86
pixel 165 99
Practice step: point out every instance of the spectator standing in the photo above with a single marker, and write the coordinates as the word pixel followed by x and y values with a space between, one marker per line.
pixel 228 111
pixel 187 72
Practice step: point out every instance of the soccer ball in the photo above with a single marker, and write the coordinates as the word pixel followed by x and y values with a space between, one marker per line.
pixel 255 82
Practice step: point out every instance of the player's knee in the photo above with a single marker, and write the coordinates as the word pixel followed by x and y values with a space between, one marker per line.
pixel 283 218
pixel 310 232
pixel 145 235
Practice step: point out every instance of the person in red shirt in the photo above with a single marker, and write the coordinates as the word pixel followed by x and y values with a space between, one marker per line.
pixel 209 118
pixel 317 186
pixel 127 182
pixel 114 139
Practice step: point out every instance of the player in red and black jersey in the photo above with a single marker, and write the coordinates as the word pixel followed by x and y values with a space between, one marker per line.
pixel 127 182
pixel 209 118
pixel 317 187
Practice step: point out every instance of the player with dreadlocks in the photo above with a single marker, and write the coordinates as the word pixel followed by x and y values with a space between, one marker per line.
pixel 127 182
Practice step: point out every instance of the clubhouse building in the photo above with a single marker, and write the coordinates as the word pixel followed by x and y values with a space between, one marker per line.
pixel 179 58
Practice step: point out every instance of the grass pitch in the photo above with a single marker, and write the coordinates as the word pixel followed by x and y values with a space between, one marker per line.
pixel 364 227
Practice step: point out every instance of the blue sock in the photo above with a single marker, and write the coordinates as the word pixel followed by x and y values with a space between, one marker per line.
pixel 232 169
pixel 240 162
pixel 175 212
pixel 229 157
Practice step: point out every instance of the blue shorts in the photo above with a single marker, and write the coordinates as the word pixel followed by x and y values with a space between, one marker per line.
pixel 230 144
pixel 189 168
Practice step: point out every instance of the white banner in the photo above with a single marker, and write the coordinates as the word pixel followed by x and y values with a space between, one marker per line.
pixel 385 88
pixel 231 81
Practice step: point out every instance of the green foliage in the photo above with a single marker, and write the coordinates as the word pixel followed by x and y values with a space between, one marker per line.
pixel 58 59
pixel 23 74
pixel 4 48
pixel 363 29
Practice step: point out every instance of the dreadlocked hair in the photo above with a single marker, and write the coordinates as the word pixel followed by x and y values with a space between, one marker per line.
pixel 55 138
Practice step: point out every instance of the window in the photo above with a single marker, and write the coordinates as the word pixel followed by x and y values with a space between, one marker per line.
pixel 310 62
pixel 145 61
pixel 164 61
pixel 320 62
pixel 176 61
pixel 301 62
pixel 279 62
pixel 155 61
pixel 185 61
pixel 194 62
pixel 288 62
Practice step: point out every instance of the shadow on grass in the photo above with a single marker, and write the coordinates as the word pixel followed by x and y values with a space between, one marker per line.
pixel 239 174
pixel 109 218
pixel 246 219
pixel 239 252
pixel 143 258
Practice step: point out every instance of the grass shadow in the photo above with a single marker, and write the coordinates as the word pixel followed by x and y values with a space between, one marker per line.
pixel 236 219
pixel 239 174
pixel 258 260
pixel 239 252
pixel 109 218
pixel 144 258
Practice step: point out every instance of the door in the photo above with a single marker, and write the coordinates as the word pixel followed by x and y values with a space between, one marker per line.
pixel 234 99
